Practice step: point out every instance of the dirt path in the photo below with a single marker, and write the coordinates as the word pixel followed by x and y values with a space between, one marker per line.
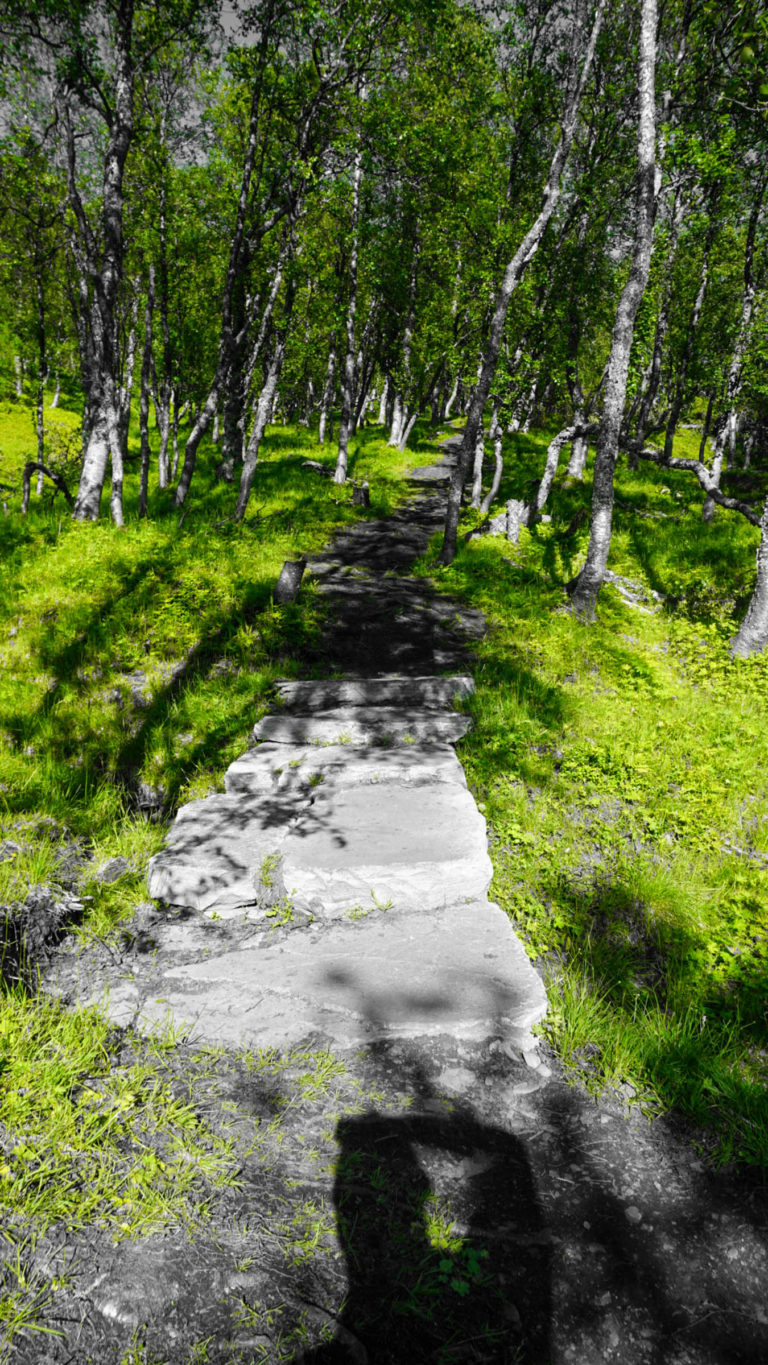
pixel 404 1200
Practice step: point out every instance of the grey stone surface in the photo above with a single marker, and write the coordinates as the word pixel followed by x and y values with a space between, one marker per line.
pixel 397 690
pixel 419 847
pixel 460 971
pixel 285 769
pixel 361 725
pixel 214 851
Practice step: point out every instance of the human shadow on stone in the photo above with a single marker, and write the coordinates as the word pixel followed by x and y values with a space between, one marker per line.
pixel 429 1281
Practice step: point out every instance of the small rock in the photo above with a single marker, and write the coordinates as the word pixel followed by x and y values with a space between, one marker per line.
pixel 9 849
pixel 633 1214
pixel 149 798
pixel 113 869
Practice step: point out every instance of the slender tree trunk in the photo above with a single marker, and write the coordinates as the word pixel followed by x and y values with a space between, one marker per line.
pixel 266 402
pixel 579 450
pixel 590 579
pixel 54 403
pixel 407 429
pixel 400 410
pixel 512 277
pixel 396 425
pixel 679 397
pixel 146 372
pixel 177 415
pixel 125 390
pixel 498 459
pixel 348 373
pixel 229 339
pixel 727 432
pixel 752 635
pixel 42 374
pixel 162 392
pixel 326 406
pixel 382 414
pixel 104 265
pixel 477 473
pixel 651 378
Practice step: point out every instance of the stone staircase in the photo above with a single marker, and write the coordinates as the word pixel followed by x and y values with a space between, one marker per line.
pixel 348 841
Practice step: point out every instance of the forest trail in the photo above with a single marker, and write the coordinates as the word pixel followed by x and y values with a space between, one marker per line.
pixel 350 830
pixel 576 1231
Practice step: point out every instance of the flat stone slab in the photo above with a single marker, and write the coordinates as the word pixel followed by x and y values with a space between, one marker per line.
pixel 286 769
pixel 419 847
pixel 397 690
pixel 214 851
pixel 361 725
pixel 463 972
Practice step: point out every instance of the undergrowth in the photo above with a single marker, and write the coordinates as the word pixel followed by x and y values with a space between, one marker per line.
pixel 622 771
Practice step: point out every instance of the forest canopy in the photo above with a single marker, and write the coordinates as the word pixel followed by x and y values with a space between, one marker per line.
pixel 533 213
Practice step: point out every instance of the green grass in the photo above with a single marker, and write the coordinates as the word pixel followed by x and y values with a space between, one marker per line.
pixel 131 659
pixel 622 769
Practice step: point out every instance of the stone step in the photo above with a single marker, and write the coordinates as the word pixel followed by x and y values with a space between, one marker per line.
pixel 300 769
pixel 461 973
pixel 362 725
pixel 391 690
pixel 387 844
pixel 215 851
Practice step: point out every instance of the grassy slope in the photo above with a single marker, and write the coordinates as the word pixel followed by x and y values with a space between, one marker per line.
pixel 620 766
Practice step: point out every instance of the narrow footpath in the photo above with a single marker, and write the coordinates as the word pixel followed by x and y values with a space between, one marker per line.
pixel 335 898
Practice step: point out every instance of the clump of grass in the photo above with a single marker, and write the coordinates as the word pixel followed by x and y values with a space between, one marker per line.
pixel 621 768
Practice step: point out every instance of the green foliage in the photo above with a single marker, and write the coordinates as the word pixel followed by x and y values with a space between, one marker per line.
pixel 621 769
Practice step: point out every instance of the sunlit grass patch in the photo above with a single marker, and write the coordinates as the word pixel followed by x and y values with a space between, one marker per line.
pixel 621 768
pixel 95 1141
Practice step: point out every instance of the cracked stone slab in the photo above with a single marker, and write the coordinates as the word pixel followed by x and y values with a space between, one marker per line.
pixel 299 769
pixel 461 971
pixel 215 849
pixel 360 725
pixel 419 847
pixel 396 690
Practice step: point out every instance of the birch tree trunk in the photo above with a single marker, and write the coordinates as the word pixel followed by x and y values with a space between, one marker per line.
pixel 104 266
pixel 348 373
pixel 511 279
pixel 752 635
pixel 146 371
pixel 326 407
pixel 589 581
pixel 689 344
pixel 42 360
pixel 382 413
pixel 400 411
pixel 498 460
pixel 266 401
pixel 477 473
pixel 727 432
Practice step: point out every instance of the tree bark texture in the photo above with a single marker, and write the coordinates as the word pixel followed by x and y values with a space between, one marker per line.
pixel 104 266
pixel 146 372
pixel 752 635
pixel 498 460
pixel 348 372
pixel 589 581
pixel 266 401
pixel 727 432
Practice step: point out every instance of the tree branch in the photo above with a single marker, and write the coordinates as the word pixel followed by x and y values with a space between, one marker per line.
pixel 29 470
pixel 705 479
